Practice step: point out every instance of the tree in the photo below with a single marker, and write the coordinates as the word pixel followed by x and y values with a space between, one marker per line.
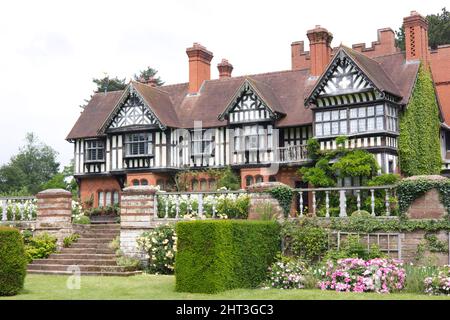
pixel 30 169
pixel 438 30
pixel 147 74
pixel 107 84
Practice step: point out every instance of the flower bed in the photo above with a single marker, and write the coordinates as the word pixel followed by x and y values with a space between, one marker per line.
pixel 357 275
pixel 287 274
pixel 438 284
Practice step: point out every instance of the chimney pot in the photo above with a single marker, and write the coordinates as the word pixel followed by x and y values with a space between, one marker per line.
pixel 199 66
pixel 225 69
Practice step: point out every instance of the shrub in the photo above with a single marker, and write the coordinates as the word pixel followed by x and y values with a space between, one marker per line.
pixel 160 245
pixel 115 244
pixel 82 220
pixel 40 247
pixel 416 275
pixel 309 242
pixel 357 275
pixel 438 284
pixel 223 254
pixel 67 241
pixel 265 211
pixel 129 264
pixel 360 213
pixel 353 248
pixel 12 261
pixel 284 196
pixel 287 274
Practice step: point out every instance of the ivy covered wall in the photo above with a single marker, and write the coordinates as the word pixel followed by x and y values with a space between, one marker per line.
pixel 419 145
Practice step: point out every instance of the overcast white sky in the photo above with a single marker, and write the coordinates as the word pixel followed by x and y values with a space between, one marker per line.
pixel 51 50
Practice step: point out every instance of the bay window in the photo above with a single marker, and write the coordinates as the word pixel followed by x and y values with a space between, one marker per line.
pixel 202 142
pixel 356 120
pixel 252 138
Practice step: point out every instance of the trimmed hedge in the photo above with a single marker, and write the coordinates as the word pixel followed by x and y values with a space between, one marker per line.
pixel 218 255
pixel 13 263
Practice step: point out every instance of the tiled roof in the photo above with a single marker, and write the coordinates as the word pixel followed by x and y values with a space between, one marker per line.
pixel 285 91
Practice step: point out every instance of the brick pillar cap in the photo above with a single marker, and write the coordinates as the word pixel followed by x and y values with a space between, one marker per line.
pixel 428 177
pixel 54 193
pixel 265 186
pixel 139 190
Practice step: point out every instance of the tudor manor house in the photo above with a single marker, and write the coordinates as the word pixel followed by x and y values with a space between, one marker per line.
pixel 145 134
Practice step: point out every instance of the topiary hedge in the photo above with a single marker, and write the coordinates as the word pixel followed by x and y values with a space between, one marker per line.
pixel 214 256
pixel 12 261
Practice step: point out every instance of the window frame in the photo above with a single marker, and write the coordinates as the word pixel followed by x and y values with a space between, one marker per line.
pixel 148 145
pixel 90 149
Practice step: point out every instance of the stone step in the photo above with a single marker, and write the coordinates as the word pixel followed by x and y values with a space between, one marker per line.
pixel 73 250
pixel 98 226
pixel 69 262
pixel 82 268
pixel 92 245
pixel 86 273
pixel 93 240
pixel 98 234
pixel 82 256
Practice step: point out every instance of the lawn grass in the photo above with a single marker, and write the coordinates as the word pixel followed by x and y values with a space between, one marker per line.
pixel 163 287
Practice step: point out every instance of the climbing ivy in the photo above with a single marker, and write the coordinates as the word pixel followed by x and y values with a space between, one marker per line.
pixel 409 190
pixel 419 146
pixel 284 196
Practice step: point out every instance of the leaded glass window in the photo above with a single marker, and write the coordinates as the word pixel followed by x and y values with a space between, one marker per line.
pixel 139 144
pixel 95 150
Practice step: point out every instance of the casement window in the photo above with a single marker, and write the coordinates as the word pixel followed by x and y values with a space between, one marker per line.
pixel 202 142
pixel 139 144
pixel 108 199
pixel 447 140
pixel 101 199
pixel 356 120
pixel 116 197
pixel 95 150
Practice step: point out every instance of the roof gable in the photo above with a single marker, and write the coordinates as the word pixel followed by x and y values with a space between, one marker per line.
pixel 350 72
pixel 132 110
pixel 253 98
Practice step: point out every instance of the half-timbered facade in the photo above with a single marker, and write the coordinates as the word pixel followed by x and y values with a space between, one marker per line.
pixel 145 134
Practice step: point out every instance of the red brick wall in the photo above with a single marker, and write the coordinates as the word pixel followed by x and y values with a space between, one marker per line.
pixel 91 186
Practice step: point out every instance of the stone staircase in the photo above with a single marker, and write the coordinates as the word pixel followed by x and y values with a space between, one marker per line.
pixel 91 254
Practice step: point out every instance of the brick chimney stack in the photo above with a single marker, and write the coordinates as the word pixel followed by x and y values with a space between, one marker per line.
pixel 416 37
pixel 199 66
pixel 319 49
pixel 225 69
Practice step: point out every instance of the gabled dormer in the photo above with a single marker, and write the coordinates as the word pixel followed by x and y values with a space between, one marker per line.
pixel 252 102
pixel 350 78
pixel 132 113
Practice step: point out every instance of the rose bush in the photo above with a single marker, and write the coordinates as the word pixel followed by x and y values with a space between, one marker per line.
pixel 358 275
pixel 287 274
pixel 160 246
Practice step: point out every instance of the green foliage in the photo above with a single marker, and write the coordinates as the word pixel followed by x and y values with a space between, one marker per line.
pixel 128 263
pixel 115 244
pixel 27 171
pixel 309 242
pixel 352 247
pixel 360 213
pixel 67 241
pixel 419 145
pixel 356 163
pixel 227 178
pixel 349 163
pixel 107 84
pixel 415 276
pixel 160 245
pixel 284 196
pixel 214 256
pixel 82 220
pixel 434 244
pixel 149 73
pixel 372 224
pixel 383 180
pixel 265 211
pixel 12 262
pixel 409 190
pixel 40 246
